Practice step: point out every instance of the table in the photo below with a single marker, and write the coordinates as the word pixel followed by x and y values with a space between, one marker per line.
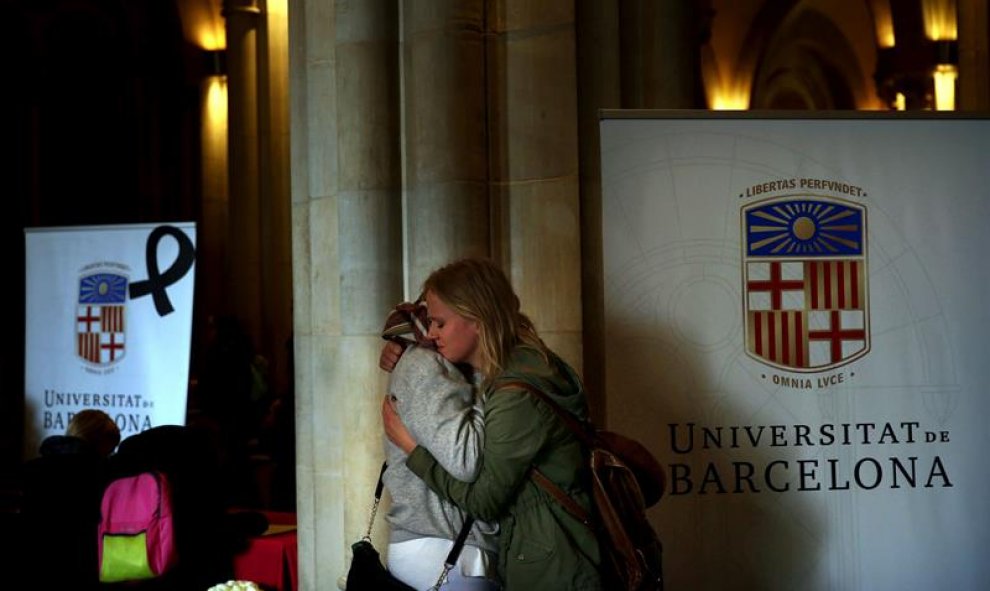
pixel 271 559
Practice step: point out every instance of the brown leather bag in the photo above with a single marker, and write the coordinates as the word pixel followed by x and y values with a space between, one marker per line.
pixel 625 480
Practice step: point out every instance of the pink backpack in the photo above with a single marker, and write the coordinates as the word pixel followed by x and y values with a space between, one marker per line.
pixel 136 534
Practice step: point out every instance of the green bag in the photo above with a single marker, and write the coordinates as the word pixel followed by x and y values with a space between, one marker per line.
pixel 125 558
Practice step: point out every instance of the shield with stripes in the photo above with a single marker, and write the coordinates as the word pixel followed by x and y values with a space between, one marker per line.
pixel 100 318
pixel 806 294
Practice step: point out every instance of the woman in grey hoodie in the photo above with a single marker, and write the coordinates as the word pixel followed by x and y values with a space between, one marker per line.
pixel 444 411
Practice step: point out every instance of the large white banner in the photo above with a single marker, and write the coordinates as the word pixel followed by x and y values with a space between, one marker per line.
pixel 108 326
pixel 796 322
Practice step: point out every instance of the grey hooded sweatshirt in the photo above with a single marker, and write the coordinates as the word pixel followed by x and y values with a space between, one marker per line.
pixel 445 414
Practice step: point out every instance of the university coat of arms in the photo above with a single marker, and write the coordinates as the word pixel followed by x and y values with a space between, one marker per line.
pixel 100 318
pixel 806 294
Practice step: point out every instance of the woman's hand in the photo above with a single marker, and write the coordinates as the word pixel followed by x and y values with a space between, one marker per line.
pixel 394 428
pixel 390 355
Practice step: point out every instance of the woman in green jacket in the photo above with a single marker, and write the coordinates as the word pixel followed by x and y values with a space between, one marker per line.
pixel 475 319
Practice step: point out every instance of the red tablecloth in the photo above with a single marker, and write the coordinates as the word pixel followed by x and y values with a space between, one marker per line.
pixel 271 560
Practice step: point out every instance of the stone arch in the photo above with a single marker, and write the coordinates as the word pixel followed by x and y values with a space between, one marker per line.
pixel 809 61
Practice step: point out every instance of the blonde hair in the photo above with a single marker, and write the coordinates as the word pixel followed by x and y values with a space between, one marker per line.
pixel 478 290
pixel 96 428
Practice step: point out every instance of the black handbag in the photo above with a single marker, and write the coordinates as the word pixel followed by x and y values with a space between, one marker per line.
pixel 367 573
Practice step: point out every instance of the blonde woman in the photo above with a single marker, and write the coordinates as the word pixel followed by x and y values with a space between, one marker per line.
pixel 475 319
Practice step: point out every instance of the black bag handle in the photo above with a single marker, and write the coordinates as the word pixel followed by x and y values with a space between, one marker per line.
pixel 378 499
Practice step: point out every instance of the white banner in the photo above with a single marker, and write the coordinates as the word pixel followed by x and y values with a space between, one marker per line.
pixel 108 326
pixel 795 321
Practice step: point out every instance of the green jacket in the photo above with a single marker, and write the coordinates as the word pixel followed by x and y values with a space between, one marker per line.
pixel 541 546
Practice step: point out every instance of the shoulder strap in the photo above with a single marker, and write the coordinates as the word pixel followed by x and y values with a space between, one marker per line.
pixel 455 552
pixel 378 499
pixel 559 495
pixel 580 431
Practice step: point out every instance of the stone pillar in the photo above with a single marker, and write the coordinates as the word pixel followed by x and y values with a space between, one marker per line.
pixel 974 56
pixel 244 261
pixel 660 54
pixel 445 137
pixel 598 67
pixel 211 236
pixel 534 162
pixel 347 264
pixel 274 203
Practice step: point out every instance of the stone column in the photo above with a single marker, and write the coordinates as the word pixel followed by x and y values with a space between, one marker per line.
pixel 974 56
pixel 244 261
pixel 211 236
pixel 347 264
pixel 534 162
pixel 445 137
pixel 274 203
pixel 660 54
pixel 598 67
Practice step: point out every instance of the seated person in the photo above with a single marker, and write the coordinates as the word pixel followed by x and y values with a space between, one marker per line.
pixel 62 493
pixel 89 431
pixel 206 535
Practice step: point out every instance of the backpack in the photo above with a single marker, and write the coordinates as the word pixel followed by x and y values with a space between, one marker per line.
pixel 136 534
pixel 625 480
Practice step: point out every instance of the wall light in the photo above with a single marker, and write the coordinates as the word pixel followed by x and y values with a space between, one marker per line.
pixel 940 19
pixel 215 62
pixel 883 22
pixel 216 102
pixel 900 101
pixel 945 87
pixel 728 97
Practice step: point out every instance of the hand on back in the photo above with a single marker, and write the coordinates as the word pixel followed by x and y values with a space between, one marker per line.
pixel 390 355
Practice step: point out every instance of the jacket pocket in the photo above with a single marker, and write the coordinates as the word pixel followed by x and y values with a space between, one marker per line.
pixel 529 552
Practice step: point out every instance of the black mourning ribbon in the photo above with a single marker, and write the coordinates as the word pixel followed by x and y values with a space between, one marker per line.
pixel 157 282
